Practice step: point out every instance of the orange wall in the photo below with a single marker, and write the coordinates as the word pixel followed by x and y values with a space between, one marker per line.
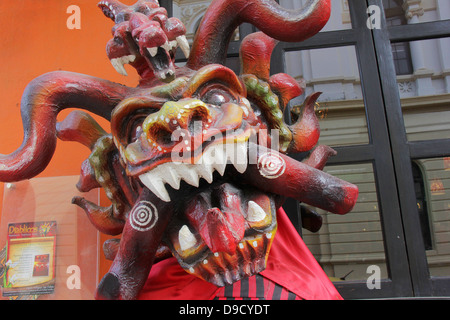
pixel 35 40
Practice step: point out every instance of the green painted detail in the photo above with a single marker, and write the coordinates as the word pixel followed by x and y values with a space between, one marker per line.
pixel 259 91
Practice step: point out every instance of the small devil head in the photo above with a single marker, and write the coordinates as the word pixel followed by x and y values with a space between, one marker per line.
pixel 144 37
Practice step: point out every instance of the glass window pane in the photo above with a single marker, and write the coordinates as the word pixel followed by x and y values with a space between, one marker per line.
pixel 339 18
pixel 428 121
pixel 347 245
pixel 335 73
pixel 402 58
pixel 424 87
pixel 436 175
pixel 399 12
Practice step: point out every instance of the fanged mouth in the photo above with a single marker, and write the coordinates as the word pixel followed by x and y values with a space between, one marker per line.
pixel 223 242
pixel 222 229
pixel 223 224
pixel 160 58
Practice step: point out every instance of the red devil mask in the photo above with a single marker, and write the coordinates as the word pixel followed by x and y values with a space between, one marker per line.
pixel 196 162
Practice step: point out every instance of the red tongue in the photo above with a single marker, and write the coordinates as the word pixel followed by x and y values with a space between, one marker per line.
pixel 221 226
pixel 222 231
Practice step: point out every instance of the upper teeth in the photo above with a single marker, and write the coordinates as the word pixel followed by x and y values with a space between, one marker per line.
pixel 213 158
pixel 111 8
pixel 119 62
pixel 153 51
pixel 169 45
pixel 164 74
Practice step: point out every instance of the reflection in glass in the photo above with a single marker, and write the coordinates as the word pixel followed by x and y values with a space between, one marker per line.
pixel 436 174
pixel 50 199
pixel 347 245
pixel 430 124
pixel 400 12
pixel 422 203
pixel 340 13
pixel 395 16
pixel 425 92
pixel 335 72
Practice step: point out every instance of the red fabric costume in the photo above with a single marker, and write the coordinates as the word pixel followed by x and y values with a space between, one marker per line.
pixel 290 265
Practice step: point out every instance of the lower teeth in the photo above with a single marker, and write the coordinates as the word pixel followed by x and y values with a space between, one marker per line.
pixel 220 270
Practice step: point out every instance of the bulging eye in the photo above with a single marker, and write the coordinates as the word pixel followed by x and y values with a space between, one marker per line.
pixel 134 129
pixel 217 97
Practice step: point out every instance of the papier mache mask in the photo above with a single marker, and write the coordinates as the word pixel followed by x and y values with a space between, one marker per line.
pixel 196 163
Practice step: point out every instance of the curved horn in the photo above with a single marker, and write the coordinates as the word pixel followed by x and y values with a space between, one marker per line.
pixel 224 16
pixel 119 12
pixel 81 127
pixel 286 87
pixel 101 217
pixel 111 8
pixel 41 102
pixel 255 53
pixel 306 131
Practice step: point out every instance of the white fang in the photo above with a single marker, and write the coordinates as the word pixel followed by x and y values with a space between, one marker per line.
pixel 153 51
pixel 172 178
pixel 190 175
pixel 239 158
pixel 154 183
pixel 118 63
pixel 184 45
pixel 220 159
pixel 255 213
pixel 205 171
pixel 186 238
pixel 166 46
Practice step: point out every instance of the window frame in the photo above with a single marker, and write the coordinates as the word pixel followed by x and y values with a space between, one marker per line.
pixel 405 151
pixel 388 150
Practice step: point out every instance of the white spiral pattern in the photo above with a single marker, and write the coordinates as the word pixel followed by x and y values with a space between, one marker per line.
pixel 143 217
pixel 271 165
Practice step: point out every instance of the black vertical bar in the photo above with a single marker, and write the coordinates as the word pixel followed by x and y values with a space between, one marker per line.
pixel 395 246
pixel 259 286
pixel 401 159
pixel 245 288
pixel 245 29
pixel 229 291
pixel 168 4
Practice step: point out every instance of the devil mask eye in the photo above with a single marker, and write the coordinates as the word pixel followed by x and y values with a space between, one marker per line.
pixel 217 96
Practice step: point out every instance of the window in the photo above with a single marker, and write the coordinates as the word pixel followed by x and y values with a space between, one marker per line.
pixel 402 55
pixel 401 190
pixel 401 167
